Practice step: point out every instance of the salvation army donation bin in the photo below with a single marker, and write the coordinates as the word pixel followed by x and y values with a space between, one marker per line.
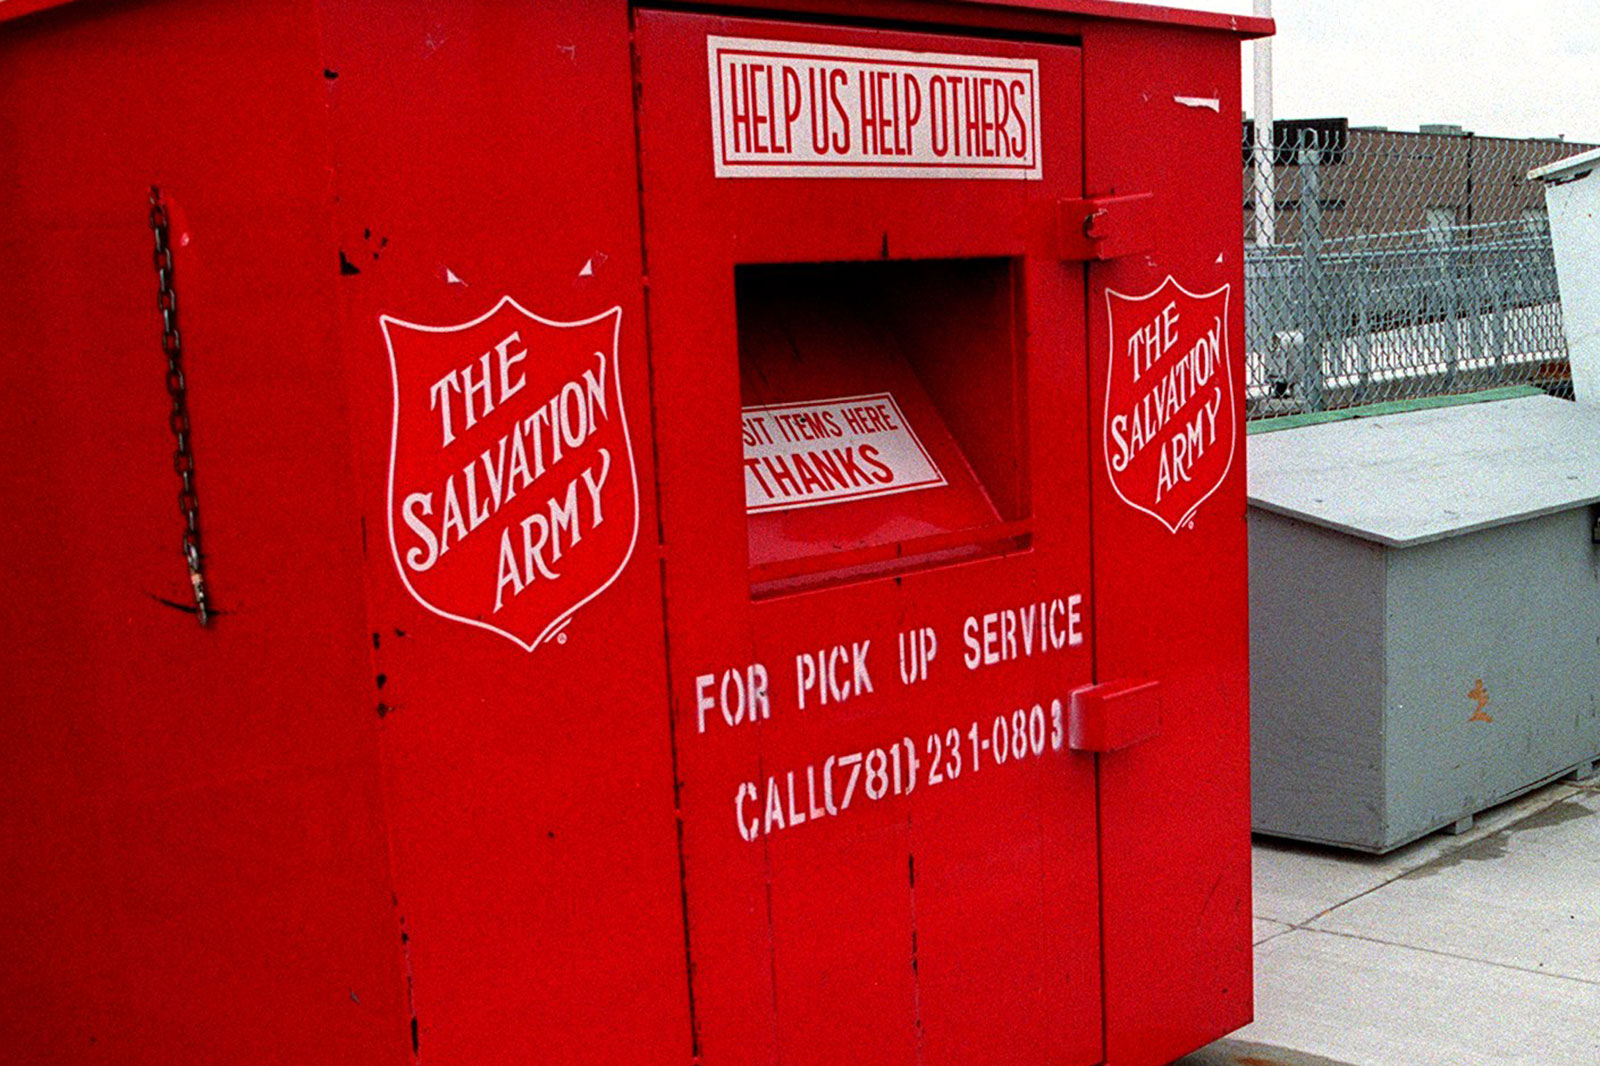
pixel 1425 614
pixel 1572 201
pixel 839 656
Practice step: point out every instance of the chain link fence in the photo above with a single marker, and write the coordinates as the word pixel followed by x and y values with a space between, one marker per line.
pixel 1386 266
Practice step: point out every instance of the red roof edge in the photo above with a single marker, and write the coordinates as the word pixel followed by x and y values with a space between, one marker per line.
pixel 1245 27
pixel 15 9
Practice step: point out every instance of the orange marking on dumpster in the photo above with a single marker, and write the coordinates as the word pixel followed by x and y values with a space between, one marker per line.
pixel 1479 696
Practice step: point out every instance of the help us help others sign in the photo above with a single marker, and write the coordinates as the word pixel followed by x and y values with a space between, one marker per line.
pixel 831 451
pixel 788 109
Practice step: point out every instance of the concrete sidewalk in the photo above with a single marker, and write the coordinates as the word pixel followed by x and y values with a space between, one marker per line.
pixel 1477 950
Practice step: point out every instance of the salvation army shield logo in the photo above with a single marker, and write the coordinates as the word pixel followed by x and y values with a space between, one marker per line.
pixel 513 499
pixel 1169 415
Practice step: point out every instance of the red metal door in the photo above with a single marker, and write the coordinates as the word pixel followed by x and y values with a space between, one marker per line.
pixel 889 850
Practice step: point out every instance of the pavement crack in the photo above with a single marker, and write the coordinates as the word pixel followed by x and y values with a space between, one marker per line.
pixel 1451 955
pixel 1443 857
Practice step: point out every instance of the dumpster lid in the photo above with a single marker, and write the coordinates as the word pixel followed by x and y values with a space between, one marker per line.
pixel 1567 169
pixel 1411 478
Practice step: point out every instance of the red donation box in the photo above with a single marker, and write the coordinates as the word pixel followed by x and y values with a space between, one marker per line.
pixel 703 536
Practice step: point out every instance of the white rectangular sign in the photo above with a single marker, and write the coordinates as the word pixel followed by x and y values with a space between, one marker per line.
pixel 829 451
pixel 788 109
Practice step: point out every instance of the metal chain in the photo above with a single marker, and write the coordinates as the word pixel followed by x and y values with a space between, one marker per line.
pixel 178 420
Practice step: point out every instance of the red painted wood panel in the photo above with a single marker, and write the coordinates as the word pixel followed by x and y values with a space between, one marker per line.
pixel 484 150
pixel 191 819
pixel 340 826
pixel 952 922
pixel 1175 822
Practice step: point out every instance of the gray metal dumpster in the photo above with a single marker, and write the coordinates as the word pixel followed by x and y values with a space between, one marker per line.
pixel 1425 616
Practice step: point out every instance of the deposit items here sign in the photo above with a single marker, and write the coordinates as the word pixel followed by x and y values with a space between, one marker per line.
pixel 791 109
pixel 830 451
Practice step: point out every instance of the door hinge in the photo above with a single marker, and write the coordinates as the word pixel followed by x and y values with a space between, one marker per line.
pixel 1105 227
pixel 1114 715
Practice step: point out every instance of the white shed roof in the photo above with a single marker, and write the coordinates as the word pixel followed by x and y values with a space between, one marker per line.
pixel 1566 169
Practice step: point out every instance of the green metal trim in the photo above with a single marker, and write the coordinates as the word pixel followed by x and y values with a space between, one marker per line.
pixel 1393 407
